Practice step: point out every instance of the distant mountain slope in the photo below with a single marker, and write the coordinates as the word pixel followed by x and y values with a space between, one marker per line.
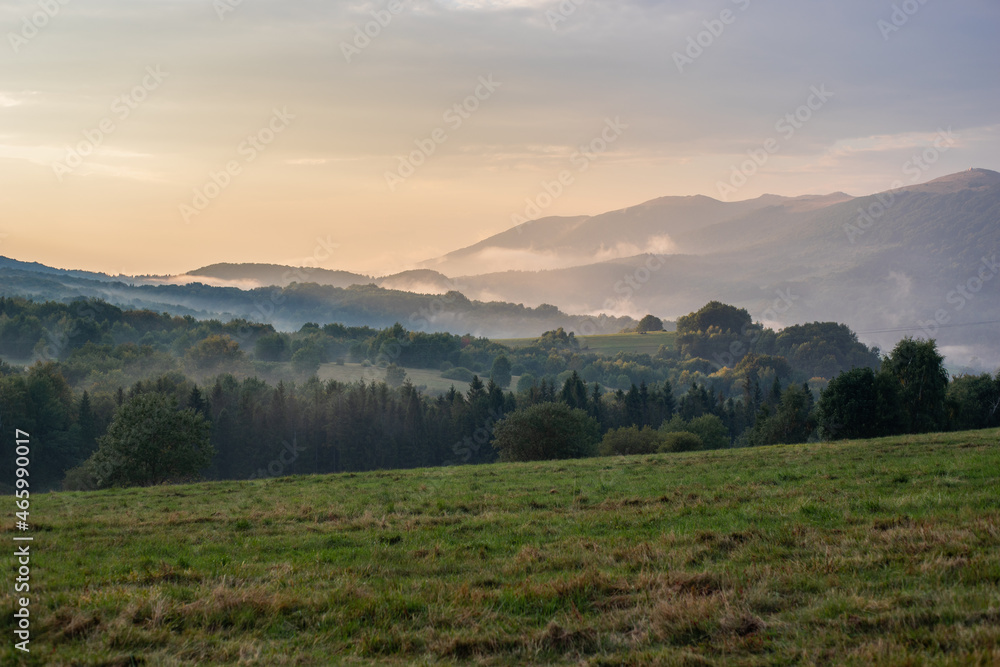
pixel 251 275
pixel 917 261
pixel 290 307
pixel 892 261
pixel 656 226
pixel 421 281
pixel 8 263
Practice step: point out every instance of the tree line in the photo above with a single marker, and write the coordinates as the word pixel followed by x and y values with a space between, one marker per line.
pixel 252 425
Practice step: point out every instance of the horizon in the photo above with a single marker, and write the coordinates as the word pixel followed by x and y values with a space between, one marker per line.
pixel 158 139
pixel 417 266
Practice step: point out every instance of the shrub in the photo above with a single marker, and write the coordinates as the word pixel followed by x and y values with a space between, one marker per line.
pixel 709 429
pixel 681 441
pixel 546 431
pixel 630 440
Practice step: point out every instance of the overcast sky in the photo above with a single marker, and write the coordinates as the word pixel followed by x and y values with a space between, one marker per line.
pixel 332 113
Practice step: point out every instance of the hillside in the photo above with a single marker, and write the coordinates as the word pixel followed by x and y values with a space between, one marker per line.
pixel 787 261
pixel 917 260
pixel 264 275
pixel 651 227
pixel 289 308
pixel 878 552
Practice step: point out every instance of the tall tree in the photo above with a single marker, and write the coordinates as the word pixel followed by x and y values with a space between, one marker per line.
pixel 501 371
pixel 919 371
pixel 150 441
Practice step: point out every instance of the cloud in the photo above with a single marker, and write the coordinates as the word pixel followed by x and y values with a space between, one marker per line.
pixel 609 58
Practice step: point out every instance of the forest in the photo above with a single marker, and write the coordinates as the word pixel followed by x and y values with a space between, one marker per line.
pixel 84 377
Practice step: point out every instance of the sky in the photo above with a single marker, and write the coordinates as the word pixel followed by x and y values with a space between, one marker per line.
pixel 159 136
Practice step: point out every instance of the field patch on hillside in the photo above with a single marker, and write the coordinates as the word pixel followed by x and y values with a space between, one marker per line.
pixel 870 552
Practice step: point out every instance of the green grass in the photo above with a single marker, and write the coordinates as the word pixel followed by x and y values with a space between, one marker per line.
pixel 418 376
pixel 879 552
pixel 611 344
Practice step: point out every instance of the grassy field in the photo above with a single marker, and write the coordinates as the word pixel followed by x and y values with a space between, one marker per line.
pixel 879 552
pixel 611 344
pixel 418 376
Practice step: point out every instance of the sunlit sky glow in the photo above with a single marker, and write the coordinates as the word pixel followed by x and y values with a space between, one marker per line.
pixel 562 75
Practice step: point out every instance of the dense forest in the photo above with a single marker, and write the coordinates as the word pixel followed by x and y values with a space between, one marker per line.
pixel 254 393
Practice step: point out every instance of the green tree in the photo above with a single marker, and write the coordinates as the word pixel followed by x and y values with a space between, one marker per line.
pixel 973 402
pixel 526 382
pixel 848 406
pixel 711 431
pixel 649 323
pixel 919 371
pixel 307 359
pixel 501 371
pixel 715 315
pixel 546 431
pixel 149 442
pixel 860 404
pixel 214 352
pixel 792 421
pixel 272 347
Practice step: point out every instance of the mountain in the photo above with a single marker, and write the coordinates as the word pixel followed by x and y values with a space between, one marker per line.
pixel 664 225
pixel 249 276
pixel 8 263
pixel 902 262
pixel 288 308
pixel 919 260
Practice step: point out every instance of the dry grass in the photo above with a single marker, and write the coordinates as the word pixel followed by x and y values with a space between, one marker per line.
pixel 879 552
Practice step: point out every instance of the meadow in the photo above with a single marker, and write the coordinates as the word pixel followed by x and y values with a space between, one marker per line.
pixel 860 552
pixel 611 344
pixel 425 377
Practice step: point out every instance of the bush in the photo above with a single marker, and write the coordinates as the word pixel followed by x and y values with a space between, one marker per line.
pixel 681 441
pixel 80 478
pixel 630 440
pixel 710 430
pixel 546 431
